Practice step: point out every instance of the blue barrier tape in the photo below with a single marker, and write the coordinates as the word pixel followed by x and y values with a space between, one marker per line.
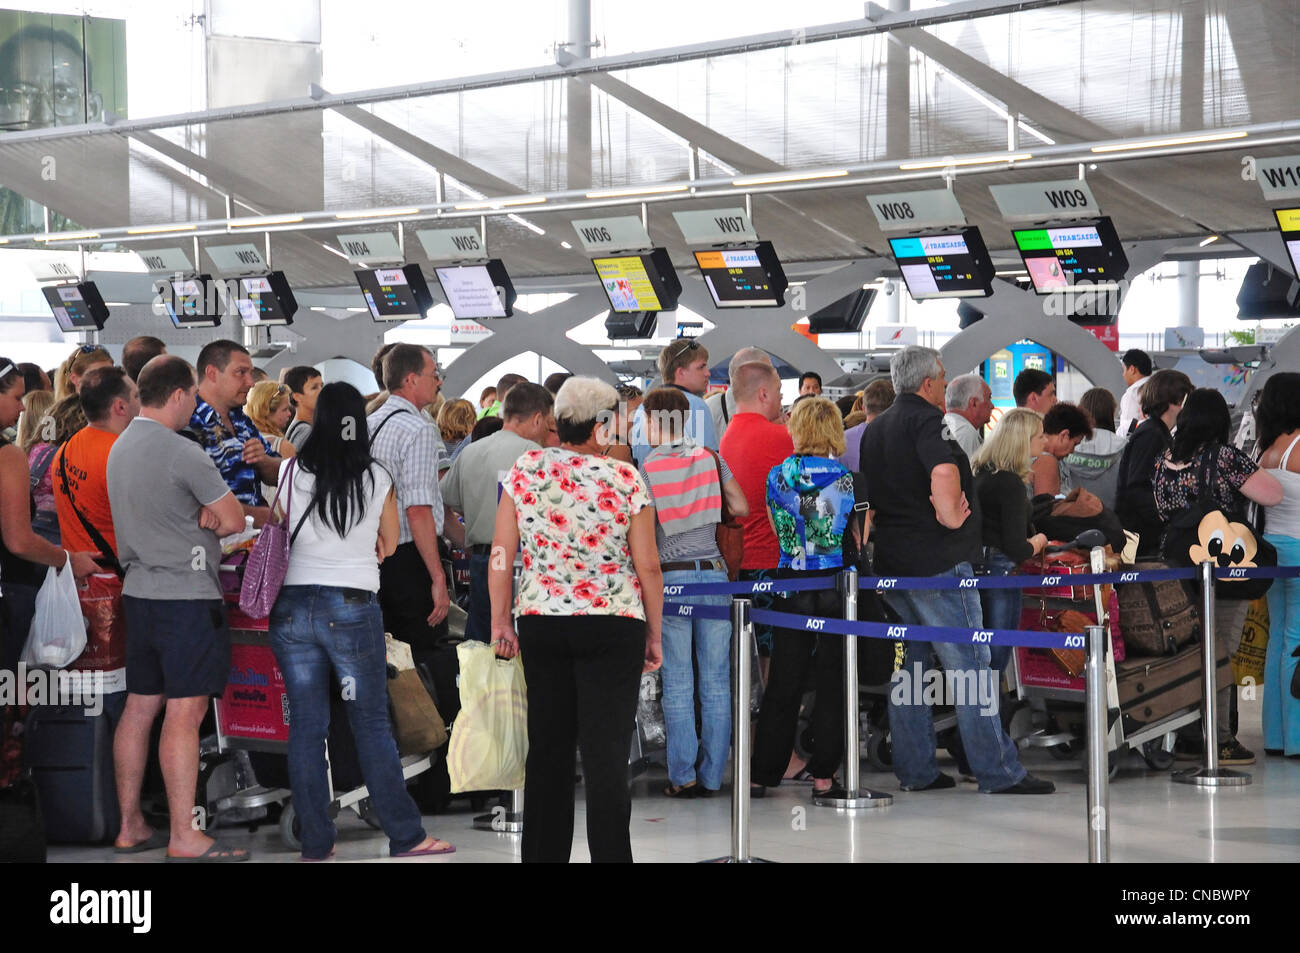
pixel 921 633
pixel 696 612
pixel 778 586
pixel 1061 580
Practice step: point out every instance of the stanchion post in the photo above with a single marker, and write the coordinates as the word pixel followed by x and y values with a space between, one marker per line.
pixel 1210 774
pixel 1098 762
pixel 850 798
pixel 742 631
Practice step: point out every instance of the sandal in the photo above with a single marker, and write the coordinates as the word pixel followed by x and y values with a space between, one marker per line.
pixel 429 851
pixel 155 841
pixel 217 853
pixel 687 790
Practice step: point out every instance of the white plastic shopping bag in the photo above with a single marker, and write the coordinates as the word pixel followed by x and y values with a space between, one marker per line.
pixel 58 634
pixel 489 739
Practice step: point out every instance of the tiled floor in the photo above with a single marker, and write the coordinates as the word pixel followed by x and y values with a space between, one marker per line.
pixel 1152 819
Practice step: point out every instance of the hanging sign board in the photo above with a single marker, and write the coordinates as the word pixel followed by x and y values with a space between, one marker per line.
pixel 1278 177
pixel 452 244
pixel 236 259
pixel 1045 201
pixel 371 248
pixel 601 235
pixel 718 226
pixel 909 211
pixel 164 261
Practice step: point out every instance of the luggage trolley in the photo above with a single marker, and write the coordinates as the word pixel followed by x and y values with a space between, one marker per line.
pixel 1055 697
pixel 252 715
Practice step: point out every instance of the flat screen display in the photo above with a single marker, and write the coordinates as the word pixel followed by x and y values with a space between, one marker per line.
pixel 77 307
pixel 472 290
pixel 195 303
pixel 1288 220
pixel 636 283
pixel 395 294
pixel 744 277
pixel 1058 258
pixel 266 299
pixel 945 265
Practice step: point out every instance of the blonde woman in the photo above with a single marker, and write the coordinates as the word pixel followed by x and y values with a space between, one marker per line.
pixel 269 408
pixel 68 380
pixel 809 504
pixel 1001 467
pixel 455 421
pixel 36 438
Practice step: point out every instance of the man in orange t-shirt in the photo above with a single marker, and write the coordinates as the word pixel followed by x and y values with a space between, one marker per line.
pixel 110 401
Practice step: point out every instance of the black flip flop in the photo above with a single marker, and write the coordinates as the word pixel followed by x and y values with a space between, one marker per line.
pixel 217 853
pixel 155 841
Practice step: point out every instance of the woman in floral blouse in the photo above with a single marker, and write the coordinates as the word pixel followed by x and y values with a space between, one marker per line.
pixel 589 608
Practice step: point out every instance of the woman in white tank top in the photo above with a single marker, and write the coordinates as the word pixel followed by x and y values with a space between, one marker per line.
pixel 1278 420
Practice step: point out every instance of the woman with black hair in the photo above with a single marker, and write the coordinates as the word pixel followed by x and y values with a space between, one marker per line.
pixel 1278 418
pixel 24 556
pixel 343 521
pixel 1201 465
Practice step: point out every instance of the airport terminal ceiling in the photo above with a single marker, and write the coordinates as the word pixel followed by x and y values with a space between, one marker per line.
pixel 1081 72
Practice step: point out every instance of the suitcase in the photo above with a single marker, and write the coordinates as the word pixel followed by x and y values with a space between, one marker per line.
pixel 1068 563
pixel 70 755
pixel 1154 687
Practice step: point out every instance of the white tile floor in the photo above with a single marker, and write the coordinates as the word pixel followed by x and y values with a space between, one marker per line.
pixel 1152 819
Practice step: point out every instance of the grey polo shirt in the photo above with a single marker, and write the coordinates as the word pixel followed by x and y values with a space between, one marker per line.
pixel 470 486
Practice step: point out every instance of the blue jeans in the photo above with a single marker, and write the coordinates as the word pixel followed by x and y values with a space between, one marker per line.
pixel 479 624
pixel 991 754
pixel 1001 606
pixel 710 642
pixel 1281 708
pixel 314 629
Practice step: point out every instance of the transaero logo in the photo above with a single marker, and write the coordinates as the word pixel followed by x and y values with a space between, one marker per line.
pixel 76 906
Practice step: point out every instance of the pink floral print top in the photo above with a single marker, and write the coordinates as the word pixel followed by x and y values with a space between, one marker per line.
pixel 573 511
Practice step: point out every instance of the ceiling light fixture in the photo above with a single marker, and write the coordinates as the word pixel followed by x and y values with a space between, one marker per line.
pixel 376 213
pixel 973 160
pixel 160 229
pixel 497 203
pixel 65 236
pixel 1177 141
pixel 261 220
pixel 779 177
pixel 1209 241
pixel 632 192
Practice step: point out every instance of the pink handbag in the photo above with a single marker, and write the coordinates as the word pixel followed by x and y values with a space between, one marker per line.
pixel 269 559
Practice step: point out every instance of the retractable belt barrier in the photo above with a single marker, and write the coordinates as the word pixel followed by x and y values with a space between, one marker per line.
pixel 887 583
pixel 924 633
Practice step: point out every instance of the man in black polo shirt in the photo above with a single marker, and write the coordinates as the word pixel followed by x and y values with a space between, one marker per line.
pixel 919 484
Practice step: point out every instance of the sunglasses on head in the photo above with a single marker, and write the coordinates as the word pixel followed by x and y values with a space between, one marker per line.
pixel 89 349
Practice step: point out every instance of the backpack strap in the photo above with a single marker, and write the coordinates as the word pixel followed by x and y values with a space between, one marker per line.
pixel 43 466
pixel 95 535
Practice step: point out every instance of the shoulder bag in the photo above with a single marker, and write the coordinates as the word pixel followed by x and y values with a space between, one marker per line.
pixel 268 562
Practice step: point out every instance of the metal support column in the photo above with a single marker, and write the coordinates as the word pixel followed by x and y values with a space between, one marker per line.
pixel 1098 761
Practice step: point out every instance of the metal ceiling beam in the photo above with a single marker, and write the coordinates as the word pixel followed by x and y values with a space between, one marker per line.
pixel 959 10
pixel 480 180
pixel 1275 23
pixel 696 133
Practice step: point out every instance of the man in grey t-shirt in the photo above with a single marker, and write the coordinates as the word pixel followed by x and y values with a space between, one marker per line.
pixel 170 506
pixel 470 489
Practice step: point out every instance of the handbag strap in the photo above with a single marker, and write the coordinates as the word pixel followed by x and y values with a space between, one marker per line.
pixel 38 474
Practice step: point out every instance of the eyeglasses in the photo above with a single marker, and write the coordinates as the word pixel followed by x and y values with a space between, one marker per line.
pixel 90 349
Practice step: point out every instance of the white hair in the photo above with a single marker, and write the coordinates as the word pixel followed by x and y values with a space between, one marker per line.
pixel 909 368
pixel 746 355
pixel 962 390
pixel 584 398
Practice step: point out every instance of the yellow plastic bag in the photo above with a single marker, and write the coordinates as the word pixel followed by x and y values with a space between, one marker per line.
pixel 489 739
pixel 1248 660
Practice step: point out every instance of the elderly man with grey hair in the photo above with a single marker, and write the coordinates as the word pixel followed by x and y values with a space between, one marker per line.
pixel 970 404
pixel 926 522
pixel 722 405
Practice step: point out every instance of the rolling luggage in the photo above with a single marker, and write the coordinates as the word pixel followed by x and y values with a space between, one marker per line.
pixel 70 755
pixel 1153 688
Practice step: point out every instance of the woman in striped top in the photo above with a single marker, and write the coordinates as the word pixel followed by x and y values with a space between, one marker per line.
pixel 688 482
